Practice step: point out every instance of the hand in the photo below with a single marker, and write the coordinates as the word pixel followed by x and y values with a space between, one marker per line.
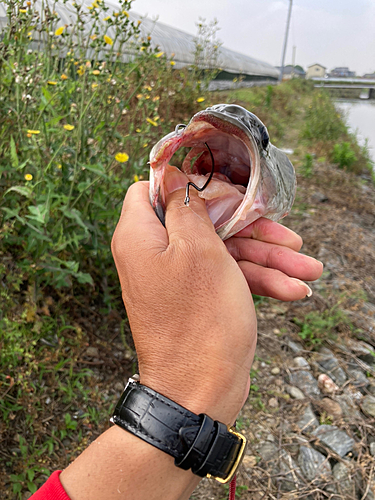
pixel 188 303
pixel 267 254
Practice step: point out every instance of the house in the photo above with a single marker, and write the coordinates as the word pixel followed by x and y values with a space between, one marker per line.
pixel 292 72
pixel 316 71
pixel 369 76
pixel 342 72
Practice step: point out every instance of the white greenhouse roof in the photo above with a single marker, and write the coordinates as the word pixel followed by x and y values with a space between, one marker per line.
pixel 173 42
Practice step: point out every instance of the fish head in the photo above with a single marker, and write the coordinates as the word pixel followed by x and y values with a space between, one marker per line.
pixel 251 177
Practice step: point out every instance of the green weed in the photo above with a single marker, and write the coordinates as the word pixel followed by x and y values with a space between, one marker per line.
pixel 306 168
pixel 318 326
pixel 344 155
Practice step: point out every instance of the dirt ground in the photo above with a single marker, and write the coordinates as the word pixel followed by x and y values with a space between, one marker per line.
pixel 334 212
pixel 335 215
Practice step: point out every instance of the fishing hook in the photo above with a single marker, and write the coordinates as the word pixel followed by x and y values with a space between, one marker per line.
pixel 187 197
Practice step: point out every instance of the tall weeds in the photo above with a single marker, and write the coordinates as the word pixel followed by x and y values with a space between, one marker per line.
pixel 77 121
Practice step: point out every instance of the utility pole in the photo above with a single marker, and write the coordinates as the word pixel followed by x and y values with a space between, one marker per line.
pixel 285 40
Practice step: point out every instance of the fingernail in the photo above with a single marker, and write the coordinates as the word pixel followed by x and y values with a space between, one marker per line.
pixel 174 179
pixel 306 287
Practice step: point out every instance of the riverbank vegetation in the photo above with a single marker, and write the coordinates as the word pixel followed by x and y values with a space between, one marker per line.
pixel 75 132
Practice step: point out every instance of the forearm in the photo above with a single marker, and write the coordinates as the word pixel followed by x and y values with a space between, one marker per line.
pixel 119 466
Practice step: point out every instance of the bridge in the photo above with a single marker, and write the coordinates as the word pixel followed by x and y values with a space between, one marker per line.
pixel 365 86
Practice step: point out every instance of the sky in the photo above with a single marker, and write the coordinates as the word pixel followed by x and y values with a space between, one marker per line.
pixel 329 32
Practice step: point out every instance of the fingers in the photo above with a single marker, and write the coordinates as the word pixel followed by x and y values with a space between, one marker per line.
pixel 277 257
pixel 271 232
pixel 273 283
pixel 181 221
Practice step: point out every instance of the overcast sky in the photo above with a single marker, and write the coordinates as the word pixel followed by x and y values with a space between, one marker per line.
pixel 330 32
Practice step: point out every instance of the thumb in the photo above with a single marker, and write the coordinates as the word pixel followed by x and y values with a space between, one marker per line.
pixel 182 220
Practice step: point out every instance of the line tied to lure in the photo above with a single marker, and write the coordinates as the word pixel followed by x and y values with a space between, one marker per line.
pixel 187 197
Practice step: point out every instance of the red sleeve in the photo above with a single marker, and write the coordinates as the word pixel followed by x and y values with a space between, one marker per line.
pixel 51 490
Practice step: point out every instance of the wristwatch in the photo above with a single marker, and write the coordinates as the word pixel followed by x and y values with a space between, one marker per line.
pixel 197 442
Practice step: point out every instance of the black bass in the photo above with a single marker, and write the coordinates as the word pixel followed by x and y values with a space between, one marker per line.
pixel 252 178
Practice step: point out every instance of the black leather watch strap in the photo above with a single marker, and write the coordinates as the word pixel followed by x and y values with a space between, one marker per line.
pixel 196 442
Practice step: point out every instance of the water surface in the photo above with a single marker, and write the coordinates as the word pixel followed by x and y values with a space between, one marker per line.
pixel 360 116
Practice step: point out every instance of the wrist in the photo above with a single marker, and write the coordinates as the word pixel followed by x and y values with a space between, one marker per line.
pixel 208 447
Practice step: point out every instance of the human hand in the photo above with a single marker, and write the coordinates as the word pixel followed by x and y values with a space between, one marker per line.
pixel 267 254
pixel 188 303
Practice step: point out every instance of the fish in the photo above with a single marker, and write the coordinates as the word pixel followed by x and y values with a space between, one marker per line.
pixel 252 178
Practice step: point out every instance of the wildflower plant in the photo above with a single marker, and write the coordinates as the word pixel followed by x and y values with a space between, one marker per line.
pixel 81 104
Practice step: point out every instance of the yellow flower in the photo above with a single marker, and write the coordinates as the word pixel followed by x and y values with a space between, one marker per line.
pixel 29 33
pixel 68 127
pixel 108 40
pixel 143 48
pixel 81 70
pixel 200 99
pixel 145 145
pixel 122 157
pixel 28 177
pixel 93 37
pixel 139 96
pixel 136 178
pixel 159 54
pixel 64 77
pixel 23 11
pixel 156 98
pixel 172 63
pixel 125 13
pixel 147 87
pixel 28 135
pixel 59 31
pixel 96 72
pixel 138 130
pixel 107 18
pixel 116 14
pixel 51 82
pixel 59 166
pixel 33 132
pixel 94 85
pixel 152 122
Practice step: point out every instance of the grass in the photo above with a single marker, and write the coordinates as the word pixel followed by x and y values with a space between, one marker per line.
pixel 63 176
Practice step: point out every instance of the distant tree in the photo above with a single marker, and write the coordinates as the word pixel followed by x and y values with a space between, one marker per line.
pixel 297 66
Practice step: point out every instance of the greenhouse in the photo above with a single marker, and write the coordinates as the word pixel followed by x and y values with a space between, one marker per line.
pixel 176 44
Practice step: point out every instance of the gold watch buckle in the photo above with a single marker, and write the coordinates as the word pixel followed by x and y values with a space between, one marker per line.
pixel 238 460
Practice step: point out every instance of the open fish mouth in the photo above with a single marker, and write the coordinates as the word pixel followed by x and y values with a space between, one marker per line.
pixel 251 179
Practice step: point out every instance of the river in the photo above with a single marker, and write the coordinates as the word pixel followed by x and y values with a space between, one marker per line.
pixel 360 115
